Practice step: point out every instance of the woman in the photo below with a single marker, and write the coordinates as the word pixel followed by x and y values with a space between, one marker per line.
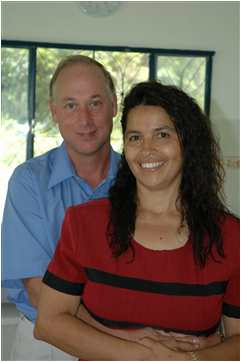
pixel 161 252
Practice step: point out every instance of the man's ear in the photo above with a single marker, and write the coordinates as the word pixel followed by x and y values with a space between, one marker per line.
pixel 53 110
pixel 114 105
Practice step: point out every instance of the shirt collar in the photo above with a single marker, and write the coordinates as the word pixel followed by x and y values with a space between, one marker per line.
pixel 63 169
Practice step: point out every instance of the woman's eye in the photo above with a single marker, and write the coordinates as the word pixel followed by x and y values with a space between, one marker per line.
pixel 134 138
pixel 163 134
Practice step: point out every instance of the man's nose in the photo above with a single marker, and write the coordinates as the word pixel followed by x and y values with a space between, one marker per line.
pixel 84 115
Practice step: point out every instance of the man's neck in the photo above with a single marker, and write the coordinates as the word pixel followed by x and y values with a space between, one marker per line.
pixel 92 168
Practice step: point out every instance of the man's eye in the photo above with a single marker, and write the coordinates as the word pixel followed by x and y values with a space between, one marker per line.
pixel 95 104
pixel 70 106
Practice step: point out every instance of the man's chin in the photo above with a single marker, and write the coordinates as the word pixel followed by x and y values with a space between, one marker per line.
pixel 88 149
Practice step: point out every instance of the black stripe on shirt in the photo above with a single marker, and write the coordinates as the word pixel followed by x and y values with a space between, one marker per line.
pixel 128 325
pixel 231 311
pixel 62 285
pixel 182 289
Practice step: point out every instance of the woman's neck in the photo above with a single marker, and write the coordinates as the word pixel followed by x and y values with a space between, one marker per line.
pixel 157 202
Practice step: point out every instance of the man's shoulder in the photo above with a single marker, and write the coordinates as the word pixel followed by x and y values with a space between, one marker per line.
pixel 36 165
pixel 92 215
pixel 92 206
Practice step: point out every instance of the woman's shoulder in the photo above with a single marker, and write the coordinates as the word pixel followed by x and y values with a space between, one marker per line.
pixel 230 221
pixel 231 231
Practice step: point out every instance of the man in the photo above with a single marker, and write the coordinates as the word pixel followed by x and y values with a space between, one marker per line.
pixel 83 104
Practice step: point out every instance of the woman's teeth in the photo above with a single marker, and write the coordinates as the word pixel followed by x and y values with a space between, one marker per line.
pixel 151 164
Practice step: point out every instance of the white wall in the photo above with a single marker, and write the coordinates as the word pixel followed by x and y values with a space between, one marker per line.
pixel 180 25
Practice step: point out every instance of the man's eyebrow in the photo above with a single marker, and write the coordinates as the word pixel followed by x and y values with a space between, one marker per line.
pixel 74 98
pixel 65 99
pixel 96 96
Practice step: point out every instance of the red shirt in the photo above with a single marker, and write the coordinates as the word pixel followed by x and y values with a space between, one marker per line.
pixel 161 289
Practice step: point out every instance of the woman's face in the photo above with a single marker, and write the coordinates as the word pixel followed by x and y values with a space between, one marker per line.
pixel 152 148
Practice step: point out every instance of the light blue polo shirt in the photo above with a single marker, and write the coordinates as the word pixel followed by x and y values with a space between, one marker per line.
pixel 39 192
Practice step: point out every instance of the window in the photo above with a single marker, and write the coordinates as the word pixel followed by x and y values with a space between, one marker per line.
pixel 27 129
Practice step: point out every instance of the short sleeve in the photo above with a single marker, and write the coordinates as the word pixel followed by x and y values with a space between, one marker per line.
pixel 23 236
pixel 65 272
pixel 231 303
pixel 231 298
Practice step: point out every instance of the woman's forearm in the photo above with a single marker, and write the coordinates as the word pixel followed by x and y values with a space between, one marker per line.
pixel 85 342
pixel 228 350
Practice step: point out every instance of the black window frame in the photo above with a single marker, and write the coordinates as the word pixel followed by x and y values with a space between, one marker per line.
pixel 32 46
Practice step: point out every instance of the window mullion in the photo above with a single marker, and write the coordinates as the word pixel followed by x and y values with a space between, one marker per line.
pixel 152 66
pixel 208 79
pixel 31 100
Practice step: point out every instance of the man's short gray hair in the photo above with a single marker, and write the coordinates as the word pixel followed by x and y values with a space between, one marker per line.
pixel 80 59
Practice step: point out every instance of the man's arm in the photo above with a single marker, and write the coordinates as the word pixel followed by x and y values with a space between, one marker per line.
pixel 23 234
pixel 33 287
pixel 57 324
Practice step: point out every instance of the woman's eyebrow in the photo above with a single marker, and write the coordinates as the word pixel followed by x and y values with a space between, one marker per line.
pixel 152 130
pixel 164 128
pixel 132 131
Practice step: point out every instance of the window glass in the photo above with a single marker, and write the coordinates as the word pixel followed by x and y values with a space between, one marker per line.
pixel 188 73
pixel 14 114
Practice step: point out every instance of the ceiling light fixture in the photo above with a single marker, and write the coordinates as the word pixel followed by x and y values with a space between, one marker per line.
pixel 99 8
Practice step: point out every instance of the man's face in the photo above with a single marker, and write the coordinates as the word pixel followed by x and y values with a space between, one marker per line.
pixel 83 107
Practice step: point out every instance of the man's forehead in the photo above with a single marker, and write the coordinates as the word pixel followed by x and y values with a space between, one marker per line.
pixel 81 67
pixel 69 77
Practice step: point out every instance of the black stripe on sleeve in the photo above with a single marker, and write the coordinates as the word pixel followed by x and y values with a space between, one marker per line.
pixel 231 311
pixel 181 289
pixel 62 285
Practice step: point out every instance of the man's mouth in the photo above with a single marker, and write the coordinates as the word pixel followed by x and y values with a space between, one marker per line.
pixel 86 134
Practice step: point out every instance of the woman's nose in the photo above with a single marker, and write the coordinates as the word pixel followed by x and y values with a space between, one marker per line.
pixel 147 145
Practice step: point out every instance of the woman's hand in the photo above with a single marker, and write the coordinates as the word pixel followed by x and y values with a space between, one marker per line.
pixel 186 343
pixel 161 352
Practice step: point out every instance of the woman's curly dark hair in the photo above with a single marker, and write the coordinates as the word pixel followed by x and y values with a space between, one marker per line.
pixel 200 191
